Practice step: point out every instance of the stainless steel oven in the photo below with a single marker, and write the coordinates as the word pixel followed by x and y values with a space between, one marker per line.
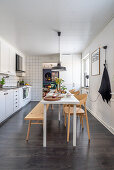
pixel 25 92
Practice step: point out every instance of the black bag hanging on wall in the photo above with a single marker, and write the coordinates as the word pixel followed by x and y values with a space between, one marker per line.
pixel 105 88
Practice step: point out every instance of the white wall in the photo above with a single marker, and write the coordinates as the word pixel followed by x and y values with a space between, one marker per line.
pixel 34 73
pixel 72 76
pixel 100 109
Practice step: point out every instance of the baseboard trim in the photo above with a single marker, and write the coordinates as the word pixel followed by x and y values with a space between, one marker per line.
pixel 101 121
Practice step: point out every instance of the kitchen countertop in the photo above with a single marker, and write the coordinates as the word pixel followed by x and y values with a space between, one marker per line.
pixel 11 87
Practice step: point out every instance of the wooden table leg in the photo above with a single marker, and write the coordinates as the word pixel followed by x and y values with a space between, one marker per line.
pixel 29 125
pixel 74 126
pixel 59 112
pixel 44 126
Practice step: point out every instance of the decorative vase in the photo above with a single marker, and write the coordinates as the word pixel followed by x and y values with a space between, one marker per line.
pixel 58 87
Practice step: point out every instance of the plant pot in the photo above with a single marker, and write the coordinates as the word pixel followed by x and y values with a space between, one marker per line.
pixel 1 85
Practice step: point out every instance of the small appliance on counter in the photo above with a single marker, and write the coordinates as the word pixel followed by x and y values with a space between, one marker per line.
pixel 22 83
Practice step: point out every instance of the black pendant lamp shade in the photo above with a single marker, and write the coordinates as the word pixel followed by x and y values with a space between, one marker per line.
pixel 59 67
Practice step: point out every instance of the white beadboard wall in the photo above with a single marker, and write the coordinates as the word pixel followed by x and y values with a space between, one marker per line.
pixel 34 73
pixel 100 109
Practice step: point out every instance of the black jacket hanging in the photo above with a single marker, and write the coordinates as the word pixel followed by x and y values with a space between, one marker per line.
pixel 105 88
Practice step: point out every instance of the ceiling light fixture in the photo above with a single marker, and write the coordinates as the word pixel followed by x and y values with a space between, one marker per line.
pixel 59 67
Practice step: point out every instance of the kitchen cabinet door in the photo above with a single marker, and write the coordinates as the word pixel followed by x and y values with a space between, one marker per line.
pixel 4 58
pixel 67 76
pixel 2 106
pixel 12 61
pixel 9 103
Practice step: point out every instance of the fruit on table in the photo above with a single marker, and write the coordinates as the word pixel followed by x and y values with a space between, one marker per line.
pixel 49 86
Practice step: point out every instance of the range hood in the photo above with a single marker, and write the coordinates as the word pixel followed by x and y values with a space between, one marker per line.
pixel 19 63
pixel 59 67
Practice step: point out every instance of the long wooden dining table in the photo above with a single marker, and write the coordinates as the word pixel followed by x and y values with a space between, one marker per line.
pixel 64 100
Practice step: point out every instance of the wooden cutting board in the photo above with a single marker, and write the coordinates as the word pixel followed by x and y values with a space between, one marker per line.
pixel 50 98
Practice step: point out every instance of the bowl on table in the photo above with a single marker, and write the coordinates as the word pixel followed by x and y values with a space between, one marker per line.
pixel 68 95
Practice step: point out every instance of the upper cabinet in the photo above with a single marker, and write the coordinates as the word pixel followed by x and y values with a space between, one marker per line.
pixel 12 64
pixel 4 58
pixel 8 59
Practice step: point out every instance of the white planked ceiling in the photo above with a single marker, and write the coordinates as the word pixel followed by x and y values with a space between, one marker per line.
pixel 31 25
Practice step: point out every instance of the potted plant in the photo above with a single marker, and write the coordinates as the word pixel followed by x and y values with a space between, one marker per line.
pixel 2 82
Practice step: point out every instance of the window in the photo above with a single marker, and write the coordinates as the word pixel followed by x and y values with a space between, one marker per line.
pixel 85 71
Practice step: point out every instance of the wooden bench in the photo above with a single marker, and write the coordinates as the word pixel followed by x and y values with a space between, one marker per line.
pixel 37 114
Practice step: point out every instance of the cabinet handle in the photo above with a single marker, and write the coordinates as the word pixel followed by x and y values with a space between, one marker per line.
pixel 5 93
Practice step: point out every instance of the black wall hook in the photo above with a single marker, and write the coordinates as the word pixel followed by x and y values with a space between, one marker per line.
pixel 105 47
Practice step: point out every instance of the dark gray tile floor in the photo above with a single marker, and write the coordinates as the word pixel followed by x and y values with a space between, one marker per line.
pixel 16 154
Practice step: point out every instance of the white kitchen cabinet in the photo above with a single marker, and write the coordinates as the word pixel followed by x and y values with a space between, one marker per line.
pixel 6 104
pixel 72 75
pixel 12 62
pixel 7 59
pixel 67 75
pixel 9 103
pixel 4 58
pixel 2 106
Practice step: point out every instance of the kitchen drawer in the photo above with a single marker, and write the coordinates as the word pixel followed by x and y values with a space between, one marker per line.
pixel 16 94
pixel 16 102
pixel 16 91
pixel 16 107
pixel 16 97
